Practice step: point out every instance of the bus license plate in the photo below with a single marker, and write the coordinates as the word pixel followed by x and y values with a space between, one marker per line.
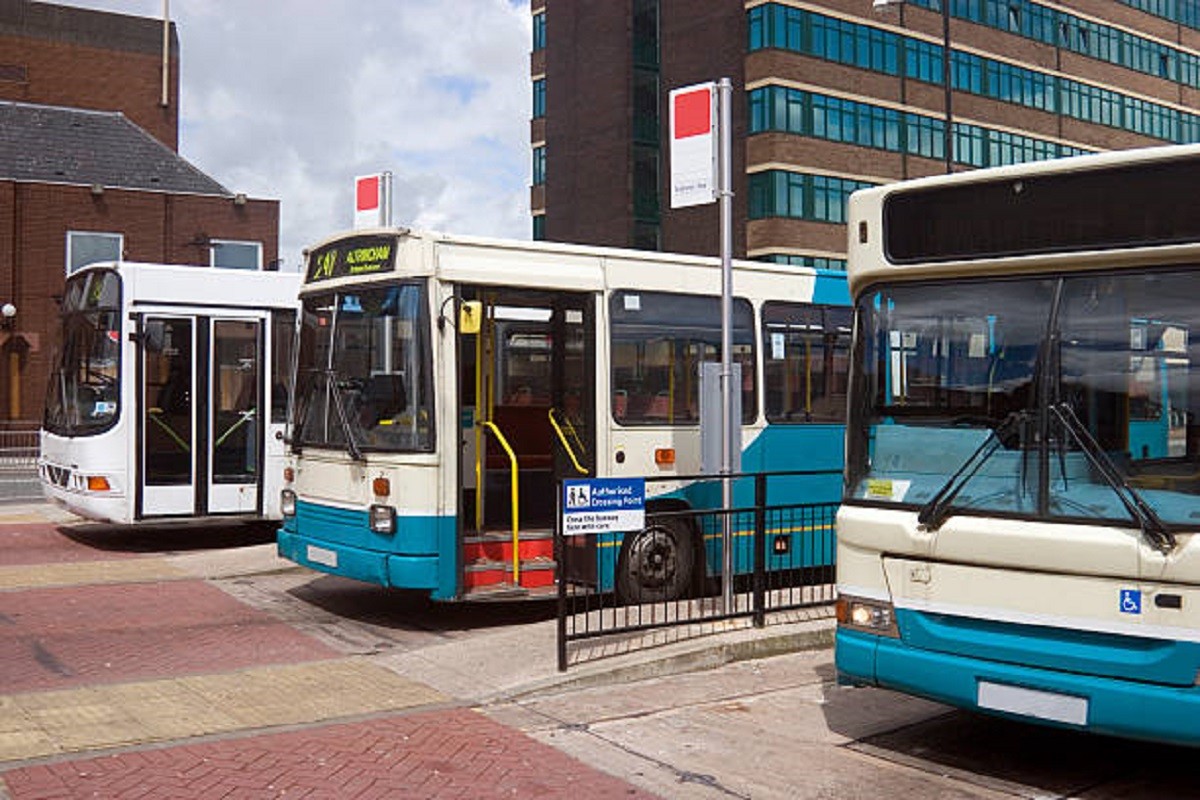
pixel 1033 703
pixel 319 555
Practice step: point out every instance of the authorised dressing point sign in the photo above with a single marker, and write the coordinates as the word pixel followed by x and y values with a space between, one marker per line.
pixel 603 505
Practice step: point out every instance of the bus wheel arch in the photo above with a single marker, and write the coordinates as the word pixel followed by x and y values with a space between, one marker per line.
pixel 662 561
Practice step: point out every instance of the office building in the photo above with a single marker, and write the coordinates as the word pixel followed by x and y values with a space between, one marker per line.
pixel 831 96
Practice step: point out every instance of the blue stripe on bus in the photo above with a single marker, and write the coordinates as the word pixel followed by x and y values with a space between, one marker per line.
pixel 831 288
pixel 408 559
pixel 1115 706
pixel 1109 655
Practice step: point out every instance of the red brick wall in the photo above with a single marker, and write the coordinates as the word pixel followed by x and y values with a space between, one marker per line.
pixel 158 227
pixel 77 76
pixel 588 124
pixel 704 42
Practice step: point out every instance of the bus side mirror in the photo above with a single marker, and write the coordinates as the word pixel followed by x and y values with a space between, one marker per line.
pixel 470 317
pixel 154 335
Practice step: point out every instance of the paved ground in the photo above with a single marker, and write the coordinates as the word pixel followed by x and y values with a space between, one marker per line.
pixel 142 666
pixel 129 675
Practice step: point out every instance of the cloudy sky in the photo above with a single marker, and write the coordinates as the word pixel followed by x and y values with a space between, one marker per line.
pixel 290 99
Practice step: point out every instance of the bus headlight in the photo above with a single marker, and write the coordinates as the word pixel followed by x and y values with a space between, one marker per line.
pixel 383 519
pixel 287 503
pixel 868 616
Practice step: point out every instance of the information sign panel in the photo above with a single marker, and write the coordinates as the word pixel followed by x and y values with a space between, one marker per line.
pixel 603 505
pixel 693 145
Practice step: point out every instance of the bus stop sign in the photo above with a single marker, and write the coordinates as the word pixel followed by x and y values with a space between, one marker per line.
pixel 603 505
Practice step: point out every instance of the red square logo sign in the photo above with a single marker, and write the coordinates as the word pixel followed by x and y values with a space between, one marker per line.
pixel 693 113
pixel 367 194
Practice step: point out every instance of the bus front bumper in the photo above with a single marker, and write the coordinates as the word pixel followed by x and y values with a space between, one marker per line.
pixel 1068 700
pixel 370 566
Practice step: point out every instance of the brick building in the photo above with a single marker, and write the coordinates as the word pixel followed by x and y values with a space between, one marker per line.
pixel 832 95
pixel 90 170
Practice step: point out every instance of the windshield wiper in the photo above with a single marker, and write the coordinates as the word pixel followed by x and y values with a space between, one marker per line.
pixel 340 408
pixel 1152 526
pixel 934 513
pixel 324 380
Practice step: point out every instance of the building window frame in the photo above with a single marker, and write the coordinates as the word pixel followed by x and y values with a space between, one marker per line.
pixel 539 98
pixel 235 244
pixel 76 241
pixel 539 30
pixel 539 165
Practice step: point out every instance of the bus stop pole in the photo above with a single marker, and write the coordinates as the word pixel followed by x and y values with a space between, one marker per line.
pixel 725 192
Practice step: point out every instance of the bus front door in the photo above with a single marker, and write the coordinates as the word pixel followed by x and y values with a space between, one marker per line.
pixel 200 427
pixel 167 424
pixel 235 417
pixel 528 391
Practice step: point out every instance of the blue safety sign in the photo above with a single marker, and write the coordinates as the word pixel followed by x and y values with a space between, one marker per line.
pixel 603 505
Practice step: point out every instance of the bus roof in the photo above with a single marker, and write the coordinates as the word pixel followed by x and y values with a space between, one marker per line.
pixel 550 265
pixel 1054 215
pixel 201 286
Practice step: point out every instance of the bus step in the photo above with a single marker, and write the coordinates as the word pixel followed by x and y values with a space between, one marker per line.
pixel 503 592
pixel 497 546
pixel 481 574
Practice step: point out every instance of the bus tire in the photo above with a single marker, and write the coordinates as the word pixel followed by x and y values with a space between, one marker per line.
pixel 655 563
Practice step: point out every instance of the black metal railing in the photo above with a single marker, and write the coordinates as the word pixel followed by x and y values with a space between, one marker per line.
pixel 619 592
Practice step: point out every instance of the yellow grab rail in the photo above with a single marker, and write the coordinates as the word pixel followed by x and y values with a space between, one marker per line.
pixel 562 438
pixel 516 538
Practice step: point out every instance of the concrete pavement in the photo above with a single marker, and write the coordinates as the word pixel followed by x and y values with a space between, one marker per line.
pixel 127 673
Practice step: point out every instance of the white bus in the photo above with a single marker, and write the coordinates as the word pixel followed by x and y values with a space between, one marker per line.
pixel 168 396
pixel 1018 532
pixel 446 383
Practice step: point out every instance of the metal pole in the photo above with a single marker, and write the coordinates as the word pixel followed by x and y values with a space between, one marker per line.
pixel 948 142
pixel 725 190
pixel 386 201
pixel 166 54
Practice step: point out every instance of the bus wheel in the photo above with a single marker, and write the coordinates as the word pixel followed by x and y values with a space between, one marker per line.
pixel 655 563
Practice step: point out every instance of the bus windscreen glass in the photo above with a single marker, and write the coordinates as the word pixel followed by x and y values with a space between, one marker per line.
pixel 364 379
pixel 1067 398
pixel 83 395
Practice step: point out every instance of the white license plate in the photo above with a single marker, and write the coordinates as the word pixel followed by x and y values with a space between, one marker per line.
pixel 319 555
pixel 1033 703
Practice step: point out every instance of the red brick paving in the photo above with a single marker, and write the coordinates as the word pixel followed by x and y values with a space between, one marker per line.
pixel 434 754
pixel 66 637
pixel 44 543
pixel 83 635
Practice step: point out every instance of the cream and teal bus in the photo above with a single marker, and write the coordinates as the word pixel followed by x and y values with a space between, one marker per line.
pixel 446 384
pixel 1018 530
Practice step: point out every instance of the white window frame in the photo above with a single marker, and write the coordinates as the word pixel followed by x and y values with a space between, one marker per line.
pixel 120 238
pixel 215 243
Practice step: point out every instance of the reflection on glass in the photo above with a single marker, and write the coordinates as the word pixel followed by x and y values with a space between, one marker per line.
pixel 938 367
pixel 364 371
pixel 83 396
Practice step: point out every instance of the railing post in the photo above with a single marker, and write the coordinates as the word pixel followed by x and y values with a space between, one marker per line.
pixel 760 550
pixel 560 574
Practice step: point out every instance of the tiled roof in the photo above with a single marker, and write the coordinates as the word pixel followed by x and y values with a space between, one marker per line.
pixel 49 144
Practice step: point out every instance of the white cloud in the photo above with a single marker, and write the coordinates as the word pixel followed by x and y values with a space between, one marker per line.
pixel 291 99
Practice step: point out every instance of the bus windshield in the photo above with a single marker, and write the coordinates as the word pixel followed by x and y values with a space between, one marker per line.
pixel 83 396
pixel 364 379
pixel 1068 398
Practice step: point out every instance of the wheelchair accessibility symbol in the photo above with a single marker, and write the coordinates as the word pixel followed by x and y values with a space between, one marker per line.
pixel 1131 601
